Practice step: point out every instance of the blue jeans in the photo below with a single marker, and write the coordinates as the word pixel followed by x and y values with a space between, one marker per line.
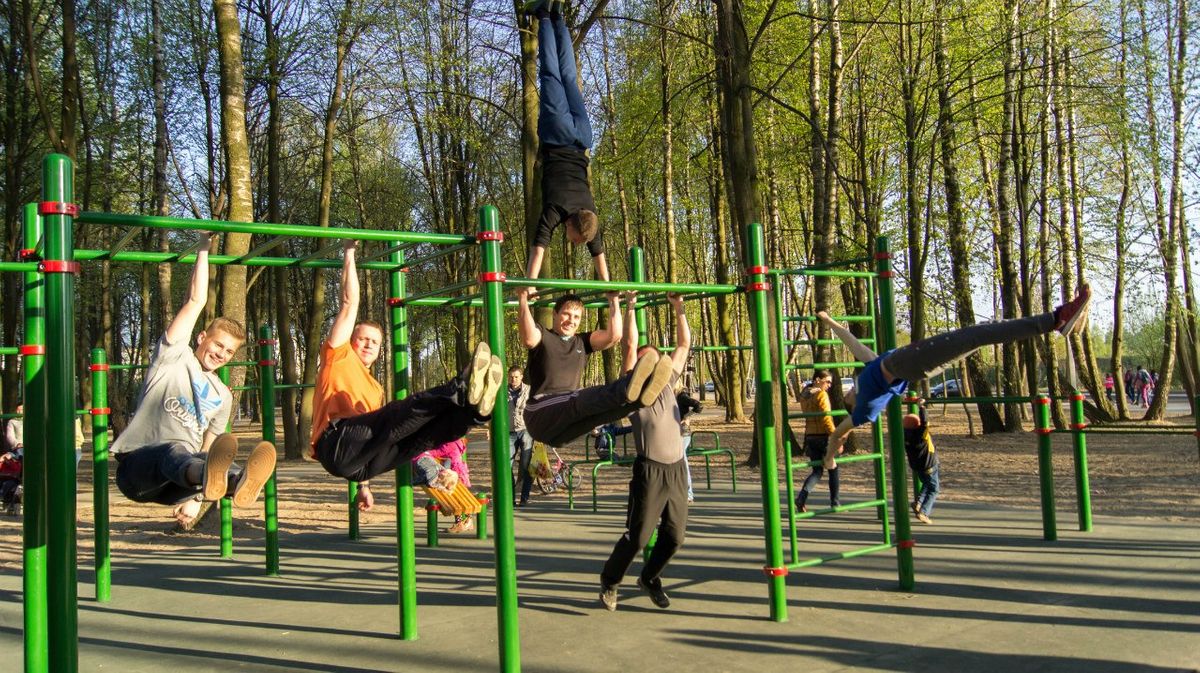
pixel 562 117
pixel 929 489
pixel 158 473
pixel 815 447
pixel 520 451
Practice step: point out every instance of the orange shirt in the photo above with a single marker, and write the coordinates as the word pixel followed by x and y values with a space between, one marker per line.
pixel 344 388
pixel 814 400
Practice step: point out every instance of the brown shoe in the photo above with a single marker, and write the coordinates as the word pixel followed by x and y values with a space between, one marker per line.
pixel 216 466
pixel 477 372
pixel 642 370
pixel 659 380
pixel 923 517
pixel 259 468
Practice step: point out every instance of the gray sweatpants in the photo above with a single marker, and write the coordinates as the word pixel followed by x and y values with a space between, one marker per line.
pixel 927 357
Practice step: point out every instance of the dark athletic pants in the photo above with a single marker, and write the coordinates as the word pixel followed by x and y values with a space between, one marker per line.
pixel 361 447
pixel 558 419
pixel 927 357
pixel 158 473
pixel 656 491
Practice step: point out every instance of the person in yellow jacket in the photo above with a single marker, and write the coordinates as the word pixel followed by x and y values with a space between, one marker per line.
pixel 815 399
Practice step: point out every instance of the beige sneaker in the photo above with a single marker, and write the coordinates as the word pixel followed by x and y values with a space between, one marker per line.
pixel 658 381
pixel 466 525
pixel 643 369
pixel 923 517
pixel 216 466
pixel 493 380
pixel 259 468
pixel 477 374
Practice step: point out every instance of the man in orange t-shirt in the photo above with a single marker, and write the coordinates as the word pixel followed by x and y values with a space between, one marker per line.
pixel 353 436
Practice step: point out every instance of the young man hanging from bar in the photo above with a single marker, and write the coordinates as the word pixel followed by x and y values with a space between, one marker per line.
pixel 175 450
pixel 889 375
pixel 658 490
pixel 559 411
pixel 564 134
pixel 356 436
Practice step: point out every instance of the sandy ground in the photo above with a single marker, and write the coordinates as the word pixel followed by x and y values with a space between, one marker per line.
pixel 1134 474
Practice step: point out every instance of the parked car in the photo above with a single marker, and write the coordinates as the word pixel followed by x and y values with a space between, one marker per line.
pixel 847 384
pixel 709 387
pixel 949 388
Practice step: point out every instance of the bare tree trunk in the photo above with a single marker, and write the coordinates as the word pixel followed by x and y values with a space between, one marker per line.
pixel 666 12
pixel 160 195
pixel 1118 334
pixel 1049 91
pixel 1008 277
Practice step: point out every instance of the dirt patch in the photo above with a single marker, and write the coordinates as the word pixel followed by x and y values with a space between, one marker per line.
pixel 1131 474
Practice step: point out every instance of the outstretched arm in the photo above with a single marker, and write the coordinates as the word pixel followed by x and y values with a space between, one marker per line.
pixel 601 266
pixel 610 336
pixel 536 254
pixel 527 327
pixel 630 342
pixel 343 324
pixel 185 320
pixel 683 334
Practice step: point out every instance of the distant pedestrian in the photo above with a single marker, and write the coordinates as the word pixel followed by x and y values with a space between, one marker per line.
pixel 1109 386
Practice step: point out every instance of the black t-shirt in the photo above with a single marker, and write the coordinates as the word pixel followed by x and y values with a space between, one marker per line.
pixel 919 447
pixel 565 191
pixel 556 365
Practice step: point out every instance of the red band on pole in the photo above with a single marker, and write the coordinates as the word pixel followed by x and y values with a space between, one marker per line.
pixel 757 287
pixel 883 255
pixel 775 572
pixel 100 367
pixel 1041 400
pixel 395 301
pixel 1045 431
pixel 28 255
pixel 492 277
pixel 887 274
pixel 267 342
pixel 497 236
pixel 906 544
pixel 403 269
pixel 750 271
pixel 432 507
pixel 1079 426
pixel 1078 397
pixel 101 411
pixel 32 349
pixel 1197 434
pixel 484 501
pixel 266 363
pixel 58 266
pixel 57 208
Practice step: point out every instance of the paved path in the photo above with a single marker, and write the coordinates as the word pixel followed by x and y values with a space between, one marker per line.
pixel 991 596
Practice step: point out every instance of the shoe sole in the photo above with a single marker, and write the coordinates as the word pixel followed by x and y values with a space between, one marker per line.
pixel 494 378
pixel 642 370
pixel 481 361
pixel 658 381
pixel 216 466
pixel 259 468
pixel 1078 320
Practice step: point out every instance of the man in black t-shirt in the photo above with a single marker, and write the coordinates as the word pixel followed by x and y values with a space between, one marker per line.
pixel 558 411
pixel 565 134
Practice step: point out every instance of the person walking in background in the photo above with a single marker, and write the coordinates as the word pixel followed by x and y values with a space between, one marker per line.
pixel 520 444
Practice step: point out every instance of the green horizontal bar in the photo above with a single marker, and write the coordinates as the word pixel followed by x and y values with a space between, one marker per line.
pixel 19 267
pixel 828 265
pixel 818 414
pixel 841 508
pixel 243 387
pixel 979 400
pixel 242 363
pixel 839 318
pixel 268 229
pixel 620 286
pixel 137 257
pixel 831 273
pixel 825 342
pixel 709 349
pixel 292 386
pixel 10 350
pixel 837 557
pixel 117 368
pixel 1139 431
pixel 841 460
pixel 827 365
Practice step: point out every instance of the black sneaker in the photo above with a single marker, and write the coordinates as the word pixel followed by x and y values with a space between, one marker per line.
pixel 608 597
pixel 657 595
pixel 1072 316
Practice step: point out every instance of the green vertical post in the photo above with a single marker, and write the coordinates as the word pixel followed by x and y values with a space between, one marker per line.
pixel 879 465
pixel 352 531
pixel 100 413
pixel 637 274
pixel 757 287
pixel 226 503
pixel 266 382
pixel 492 283
pixel 57 210
pixel 406 542
pixel 788 469
pixel 1083 494
pixel 887 335
pixel 1041 415
pixel 37 647
pixel 431 524
pixel 481 518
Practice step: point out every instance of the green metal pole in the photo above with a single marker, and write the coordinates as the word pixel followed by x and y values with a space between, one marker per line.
pixel 100 412
pixel 58 195
pixel 406 542
pixel 1041 415
pixel 492 282
pixel 352 531
pixel 887 336
pixel 1083 494
pixel 757 287
pixel 37 647
pixel 637 274
pixel 789 470
pixel 226 503
pixel 266 379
